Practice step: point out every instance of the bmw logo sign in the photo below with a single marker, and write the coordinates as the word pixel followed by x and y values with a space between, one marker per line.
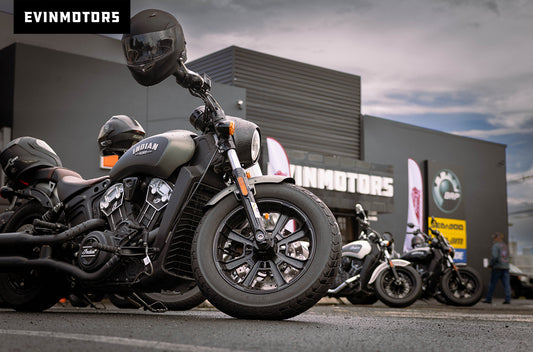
pixel 447 191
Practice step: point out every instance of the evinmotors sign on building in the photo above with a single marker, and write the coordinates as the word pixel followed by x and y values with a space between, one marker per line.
pixel 446 204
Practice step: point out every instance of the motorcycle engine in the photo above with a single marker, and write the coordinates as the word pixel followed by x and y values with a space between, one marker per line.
pixel 118 203
pixel 132 208
pixel 350 267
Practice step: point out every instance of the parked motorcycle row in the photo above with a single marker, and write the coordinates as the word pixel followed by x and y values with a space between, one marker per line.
pixel 371 270
pixel 178 220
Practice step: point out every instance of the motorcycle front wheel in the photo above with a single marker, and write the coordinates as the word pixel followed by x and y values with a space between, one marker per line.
pixel 465 293
pixel 278 282
pixel 183 297
pixel 399 292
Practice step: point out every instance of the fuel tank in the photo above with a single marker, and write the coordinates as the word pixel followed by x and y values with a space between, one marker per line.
pixel 357 249
pixel 418 255
pixel 157 156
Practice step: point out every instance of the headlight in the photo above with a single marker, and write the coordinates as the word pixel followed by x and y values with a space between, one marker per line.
pixel 247 138
pixel 256 145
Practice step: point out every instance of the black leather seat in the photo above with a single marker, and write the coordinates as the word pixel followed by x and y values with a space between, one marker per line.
pixel 69 182
pixel 70 185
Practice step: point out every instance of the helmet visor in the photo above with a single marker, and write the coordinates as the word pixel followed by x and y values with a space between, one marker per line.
pixel 144 49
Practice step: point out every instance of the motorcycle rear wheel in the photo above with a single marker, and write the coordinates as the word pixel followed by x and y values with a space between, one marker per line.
pixel 399 293
pixel 462 295
pixel 362 299
pixel 280 282
pixel 30 290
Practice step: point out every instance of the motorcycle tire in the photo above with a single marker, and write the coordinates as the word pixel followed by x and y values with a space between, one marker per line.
pixel 402 293
pixel 280 282
pixel 183 297
pixel 460 295
pixel 32 290
pixel 441 298
pixel 362 300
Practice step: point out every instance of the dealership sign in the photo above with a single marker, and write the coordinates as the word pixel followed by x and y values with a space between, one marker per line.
pixel 343 181
pixel 455 232
pixel 445 193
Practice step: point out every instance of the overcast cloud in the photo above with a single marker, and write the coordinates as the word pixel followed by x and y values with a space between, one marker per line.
pixel 459 66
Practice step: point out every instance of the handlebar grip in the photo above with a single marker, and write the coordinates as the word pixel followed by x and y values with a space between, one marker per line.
pixel 190 79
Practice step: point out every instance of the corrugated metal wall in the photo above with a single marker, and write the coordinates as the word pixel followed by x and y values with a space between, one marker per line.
pixel 305 107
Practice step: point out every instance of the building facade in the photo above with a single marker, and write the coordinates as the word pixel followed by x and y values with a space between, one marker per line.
pixel 63 95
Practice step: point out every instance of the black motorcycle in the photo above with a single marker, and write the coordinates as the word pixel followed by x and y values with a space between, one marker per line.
pixel 449 283
pixel 369 272
pixel 33 203
pixel 176 207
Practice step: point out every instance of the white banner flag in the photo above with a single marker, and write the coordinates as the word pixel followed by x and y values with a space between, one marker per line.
pixel 278 162
pixel 415 208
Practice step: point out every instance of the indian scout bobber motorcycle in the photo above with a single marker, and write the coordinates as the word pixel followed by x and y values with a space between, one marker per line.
pixel 432 257
pixel 175 207
pixel 368 272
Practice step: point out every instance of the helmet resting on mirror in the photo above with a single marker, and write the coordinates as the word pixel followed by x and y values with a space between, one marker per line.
pixel 155 46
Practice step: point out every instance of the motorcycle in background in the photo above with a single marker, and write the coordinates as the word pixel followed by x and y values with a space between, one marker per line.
pixel 449 283
pixel 369 272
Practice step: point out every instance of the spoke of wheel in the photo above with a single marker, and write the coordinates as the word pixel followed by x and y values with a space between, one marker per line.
pixel 237 237
pixel 280 224
pixel 292 238
pixel 295 263
pixel 252 274
pixel 238 262
pixel 280 281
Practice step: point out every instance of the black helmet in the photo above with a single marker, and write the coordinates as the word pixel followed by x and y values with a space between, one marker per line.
pixel 417 241
pixel 154 46
pixel 26 154
pixel 118 134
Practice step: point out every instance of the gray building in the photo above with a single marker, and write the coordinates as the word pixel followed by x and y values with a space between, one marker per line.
pixel 62 91
pixel 315 114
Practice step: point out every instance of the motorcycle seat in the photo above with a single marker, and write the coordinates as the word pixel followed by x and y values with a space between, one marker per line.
pixel 53 174
pixel 70 184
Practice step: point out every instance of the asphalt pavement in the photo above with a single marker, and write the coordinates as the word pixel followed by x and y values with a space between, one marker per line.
pixel 331 325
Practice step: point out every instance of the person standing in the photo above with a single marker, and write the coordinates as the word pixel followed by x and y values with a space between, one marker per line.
pixel 499 263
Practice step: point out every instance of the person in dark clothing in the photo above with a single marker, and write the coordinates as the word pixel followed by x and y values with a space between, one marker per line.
pixel 499 263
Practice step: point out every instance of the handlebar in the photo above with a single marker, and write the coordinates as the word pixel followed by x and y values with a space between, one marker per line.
pixel 191 80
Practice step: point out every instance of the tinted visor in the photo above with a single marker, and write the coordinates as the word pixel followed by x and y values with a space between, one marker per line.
pixel 143 49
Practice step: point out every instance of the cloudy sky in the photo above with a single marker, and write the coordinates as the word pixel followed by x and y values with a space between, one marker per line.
pixel 458 66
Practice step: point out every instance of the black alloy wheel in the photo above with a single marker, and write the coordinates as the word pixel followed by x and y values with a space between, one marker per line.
pixel 280 281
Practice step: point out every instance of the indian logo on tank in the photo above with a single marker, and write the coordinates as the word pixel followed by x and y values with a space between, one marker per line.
pixel 144 148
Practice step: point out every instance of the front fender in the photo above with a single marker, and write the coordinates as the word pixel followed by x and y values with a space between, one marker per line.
pixel 384 266
pixel 252 181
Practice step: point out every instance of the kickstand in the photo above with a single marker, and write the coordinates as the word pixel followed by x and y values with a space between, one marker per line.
pixel 156 307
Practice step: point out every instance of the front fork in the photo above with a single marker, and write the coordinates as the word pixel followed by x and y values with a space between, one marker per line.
pixel 262 240
pixel 391 265
pixel 454 267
